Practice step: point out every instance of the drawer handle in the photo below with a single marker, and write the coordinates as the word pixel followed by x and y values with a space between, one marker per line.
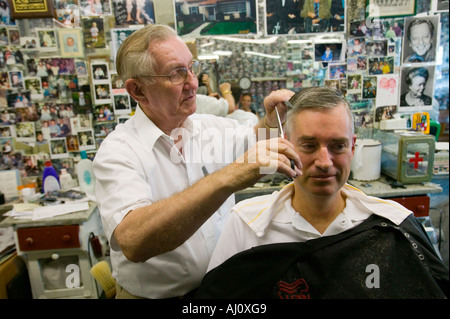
pixel 29 241
pixel 66 238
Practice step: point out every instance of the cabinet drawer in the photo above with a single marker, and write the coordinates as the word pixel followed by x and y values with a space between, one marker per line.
pixel 419 205
pixel 42 238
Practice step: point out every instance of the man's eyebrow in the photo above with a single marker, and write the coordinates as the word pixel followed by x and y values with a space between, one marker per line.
pixel 307 138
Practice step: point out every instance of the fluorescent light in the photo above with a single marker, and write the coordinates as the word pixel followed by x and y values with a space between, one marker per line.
pixel 222 53
pixel 269 40
pixel 208 57
pixel 262 55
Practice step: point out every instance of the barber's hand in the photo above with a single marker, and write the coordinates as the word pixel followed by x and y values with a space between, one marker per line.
pixel 276 98
pixel 265 157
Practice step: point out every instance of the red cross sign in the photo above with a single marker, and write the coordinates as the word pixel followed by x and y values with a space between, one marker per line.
pixel 416 160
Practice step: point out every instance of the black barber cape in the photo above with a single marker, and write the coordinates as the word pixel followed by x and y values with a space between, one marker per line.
pixel 375 259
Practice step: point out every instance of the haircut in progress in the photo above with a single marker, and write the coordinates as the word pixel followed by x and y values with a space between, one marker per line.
pixel 316 98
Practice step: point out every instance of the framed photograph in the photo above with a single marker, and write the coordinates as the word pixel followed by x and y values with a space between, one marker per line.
pixel 298 16
pixel 421 39
pixel 439 5
pixel 118 35
pixel 94 32
pixel 211 17
pixel 31 9
pixel 417 87
pixel 47 39
pixel 71 43
pixel 384 9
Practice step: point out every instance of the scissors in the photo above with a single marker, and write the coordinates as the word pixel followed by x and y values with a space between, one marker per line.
pixel 280 127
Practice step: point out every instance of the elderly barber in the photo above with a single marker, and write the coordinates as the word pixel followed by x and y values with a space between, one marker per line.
pixel 165 178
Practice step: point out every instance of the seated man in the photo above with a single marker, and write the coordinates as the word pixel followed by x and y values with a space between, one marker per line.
pixel 319 237
pixel 316 12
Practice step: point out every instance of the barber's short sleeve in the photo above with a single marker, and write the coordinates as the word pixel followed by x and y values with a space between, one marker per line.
pixel 120 185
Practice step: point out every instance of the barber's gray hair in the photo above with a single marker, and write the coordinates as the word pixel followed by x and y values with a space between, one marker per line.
pixel 133 58
pixel 316 98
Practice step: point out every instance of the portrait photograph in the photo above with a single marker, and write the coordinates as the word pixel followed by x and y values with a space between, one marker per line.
pixel 356 46
pixel 94 32
pixel 420 39
pixel 47 39
pixel 16 79
pixel 240 17
pixel 99 72
pixel 118 35
pixel 304 16
pixel 133 12
pixel 14 36
pixel 417 87
pixel 328 52
pixel 71 43
pixel 6 17
pixel 86 140
pixel 102 94
pixel 121 103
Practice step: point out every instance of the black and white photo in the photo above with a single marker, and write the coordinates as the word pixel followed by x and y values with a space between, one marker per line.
pixel 417 88
pixel 420 39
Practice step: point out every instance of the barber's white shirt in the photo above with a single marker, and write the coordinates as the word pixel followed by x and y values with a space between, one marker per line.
pixel 137 165
pixel 271 219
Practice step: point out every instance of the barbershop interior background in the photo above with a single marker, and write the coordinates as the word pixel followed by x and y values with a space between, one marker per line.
pixel 60 96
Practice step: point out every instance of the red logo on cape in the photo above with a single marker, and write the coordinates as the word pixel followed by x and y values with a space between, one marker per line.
pixel 296 290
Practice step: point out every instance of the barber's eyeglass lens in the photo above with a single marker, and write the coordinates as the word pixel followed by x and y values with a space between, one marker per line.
pixel 179 76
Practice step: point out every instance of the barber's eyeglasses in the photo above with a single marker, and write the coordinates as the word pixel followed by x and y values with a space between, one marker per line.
pixel 179 76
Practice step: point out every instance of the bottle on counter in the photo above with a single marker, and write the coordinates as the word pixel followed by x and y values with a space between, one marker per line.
pixel 66 180
pixel 85 174
pixel 50 178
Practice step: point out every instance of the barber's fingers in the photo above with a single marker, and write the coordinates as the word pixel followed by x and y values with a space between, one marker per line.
pixel 286 148
pixel 274 155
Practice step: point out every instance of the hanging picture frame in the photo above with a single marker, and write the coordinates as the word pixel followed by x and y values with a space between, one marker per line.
pixel 385 9
pixel 35 9
pixel 71 42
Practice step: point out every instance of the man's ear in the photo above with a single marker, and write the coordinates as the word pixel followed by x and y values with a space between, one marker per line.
pixel 134 88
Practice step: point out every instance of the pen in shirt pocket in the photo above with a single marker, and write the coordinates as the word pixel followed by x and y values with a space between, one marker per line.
pixel 205 171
